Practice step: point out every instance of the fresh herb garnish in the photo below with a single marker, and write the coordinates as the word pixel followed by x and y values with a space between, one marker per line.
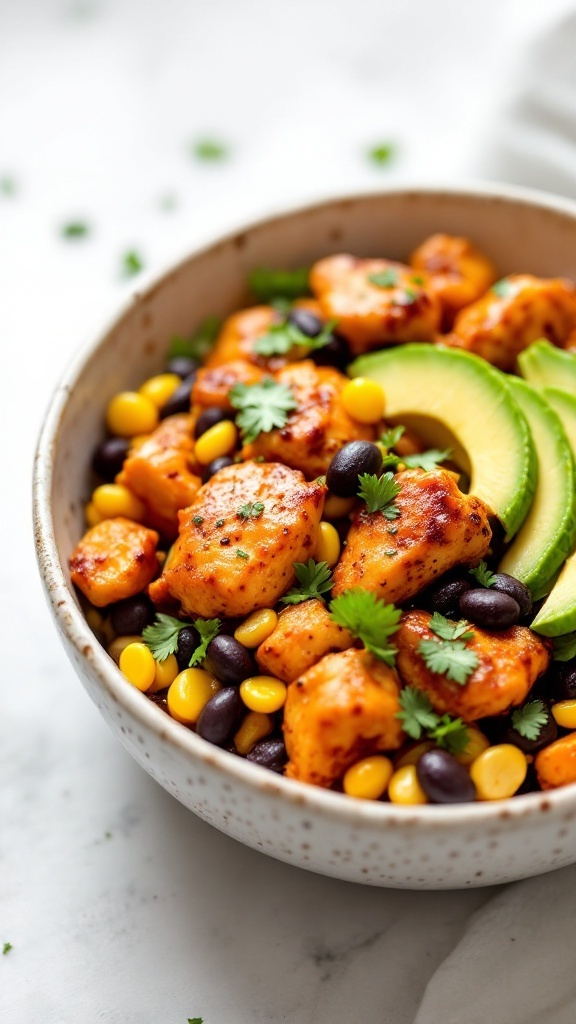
pixel 502 288
pixel 209 150
pixel 7 185
pixel 6 948
pixel 208 629
pixel 252 510
pixel 75 229
pixel 447 629
pixel 418 279
pixel 482 575
pixel 263 406
pixel 197 520
pixel 281 338
pixel 391 436
pixel 199 345
pixel 390 552
pixel 241 554
pixel 219 522
pixel 565 647
pixel 379 494
pixel 427 460
pixel 381 154
pixel 384 278
pixel 530 719
pixel 132 263
pixel 314 580
pixel 271 285
pixel 195 1020
pixel 161 637
pixel 368 618
pixel 419 718
pixel 450 658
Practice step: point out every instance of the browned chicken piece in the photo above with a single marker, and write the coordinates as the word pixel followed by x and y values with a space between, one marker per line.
pixel 556 764
pixel 241 331
pixel 456 271
pixel 114 560
pixel 304 634
pixel 438 527
pixel 223 564
pixel 342 709
pixel 509 663
pixel 318 428
pixel 507 319
pixel 370 315
pixel 213 384
pixel 163 474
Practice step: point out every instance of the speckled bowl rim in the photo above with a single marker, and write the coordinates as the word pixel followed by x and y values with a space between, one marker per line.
pixel 73 625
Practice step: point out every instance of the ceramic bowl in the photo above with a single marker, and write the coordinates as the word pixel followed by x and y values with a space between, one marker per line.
pixel 374 843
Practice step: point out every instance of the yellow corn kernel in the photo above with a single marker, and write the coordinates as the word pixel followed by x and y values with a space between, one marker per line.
pixel 337 508
pixel 138 665
pixel 263 693
pixel 120 643
pixel 166 672
pixel 327 544
pixel 221 439
pixel 159 389
pixel 129 414
pixel 256 628
pixel 498 772
pixel 189 693
pixel 476 744
pixel 368 779
pixel 565 714
pixel 404 787
pixel 363 400
pixel 92 515
pixel 111 500
pixel 253 729
pixel 413 754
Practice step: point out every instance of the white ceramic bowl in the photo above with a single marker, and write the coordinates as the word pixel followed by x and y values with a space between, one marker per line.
pixel 376 843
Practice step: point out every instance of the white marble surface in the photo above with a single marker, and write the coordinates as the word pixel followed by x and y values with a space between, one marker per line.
pixel 119 904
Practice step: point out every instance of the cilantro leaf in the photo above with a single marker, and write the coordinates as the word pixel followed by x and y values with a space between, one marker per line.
pixel 269 285
pixel 565 647
pixel 314 579
pixel 263 406
pixel 450 658
pixel 446 629
pixel 502 288
pixel 451 734
pixel 384 278
pixel 208 629
pixel 161 638
pixel 281 338
pixel 482 575
pixel 381 154
pixel 199 345
pixel 379 494
pixel 427 460
pixel 75 229
pixel 368 618
pixel 132 263
pixel 6 948
pixel 209 150
pixel 530 719
pixel 252 510
pixel 417 714
pixel 391 436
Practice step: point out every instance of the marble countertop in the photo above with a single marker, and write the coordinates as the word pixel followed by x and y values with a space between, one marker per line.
pixel 120 905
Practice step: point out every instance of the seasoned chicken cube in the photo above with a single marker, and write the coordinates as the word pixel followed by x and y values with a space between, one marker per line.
pixel 240 332
pixel 114 560
pixel 520 309
pixel 318 428
pixel 456 271
pixel 342 709
pixel 230 557
pixel 304 634
pixel 556 764
pixel 213 384
pixel 370 315
pixel 509 663
pixel 163 474
pixel 438 527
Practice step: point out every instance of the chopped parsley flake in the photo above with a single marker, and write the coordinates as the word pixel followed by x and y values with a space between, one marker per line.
pixel 6 948
pixel 252 510
pixel 75 229
pixel 209 150
pixel 281 338
pixel 197 520
pixel 384 278
pixel 219 522
pixel 381 154
pixel 241 554
pixel 132 263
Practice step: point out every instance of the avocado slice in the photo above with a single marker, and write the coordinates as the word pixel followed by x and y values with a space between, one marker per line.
pixel 564 405
pixel 547 535
pixel 457 400
pixel 545 365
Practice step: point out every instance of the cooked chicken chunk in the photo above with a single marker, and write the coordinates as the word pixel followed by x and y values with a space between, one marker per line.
pixel 342 709
pixel 241 331
pixel 438 527
pixel 369 314
pixel 224 564
pixel 509 663
pixel 506 320
pixel 318 428
pixel 456 272
pixel 162 473
pixel 304 634
pixel 213 384
pixel 114 560
pixel 556 764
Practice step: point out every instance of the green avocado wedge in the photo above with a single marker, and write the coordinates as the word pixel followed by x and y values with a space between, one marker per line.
pixel 547 366
pixel 548 533
pixel 565 407
pixel 457 400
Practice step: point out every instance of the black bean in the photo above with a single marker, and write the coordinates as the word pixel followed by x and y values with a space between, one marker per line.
pixel 215 466
pixel 547 735
pixel 445 596
pixel 132 615
pixel 228 660
pixel 489 608
pixel 179 400
pixel 305 321
pixel 209 418
pixel 353 459
pixel 188 640
pixel 334 353
pixel 270 754
pixel 506 584
pixel 220 716
pixel 443 779
pixel 563 680
pixel 183 366
pixel 109 456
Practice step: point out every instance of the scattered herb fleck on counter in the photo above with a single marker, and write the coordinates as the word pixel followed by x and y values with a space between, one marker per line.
pixel 6 948
pixel 8 185
pixel 132 263
pixel 75 229
pixel 368 618
pixel 381 154
pixel 209 150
